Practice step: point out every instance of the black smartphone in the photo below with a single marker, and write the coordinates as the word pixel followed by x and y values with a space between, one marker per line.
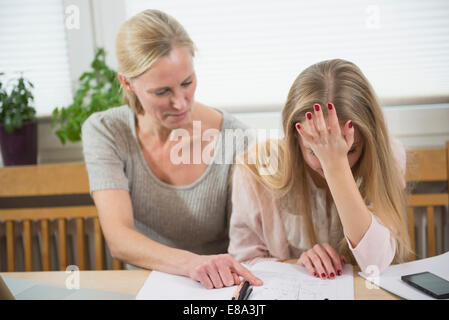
pixel 429 283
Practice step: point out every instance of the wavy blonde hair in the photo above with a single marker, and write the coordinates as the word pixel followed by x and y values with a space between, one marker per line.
pixel 378 176
pixel 141 41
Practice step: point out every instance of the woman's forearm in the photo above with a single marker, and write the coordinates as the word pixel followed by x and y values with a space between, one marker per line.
pixel 354 214
pixel 134 248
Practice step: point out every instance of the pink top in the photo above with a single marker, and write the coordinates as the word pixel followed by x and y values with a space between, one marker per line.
pixel 262 229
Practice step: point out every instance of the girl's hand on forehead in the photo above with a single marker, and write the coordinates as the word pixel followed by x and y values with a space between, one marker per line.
pixel 328 141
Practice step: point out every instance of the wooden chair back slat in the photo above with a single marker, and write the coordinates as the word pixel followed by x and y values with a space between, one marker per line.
pixel 411 230
pixel 430 220
pixel 10 246
pixel 28 245
pixel 46 258
pixel 80 242
pixel 62 232
pixel 98 245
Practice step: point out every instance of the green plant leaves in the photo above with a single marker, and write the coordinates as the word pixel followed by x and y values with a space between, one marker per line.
pixel 16 106
pixel 99 89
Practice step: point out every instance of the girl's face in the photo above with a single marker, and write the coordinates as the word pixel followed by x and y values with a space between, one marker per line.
pixel 166 91
pixel 353 155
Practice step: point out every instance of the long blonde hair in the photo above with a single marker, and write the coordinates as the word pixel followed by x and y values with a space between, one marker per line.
pixel 379 177
pixel 141 41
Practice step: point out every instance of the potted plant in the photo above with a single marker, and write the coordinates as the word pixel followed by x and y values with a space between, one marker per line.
pixel 99 89
pixel 18 124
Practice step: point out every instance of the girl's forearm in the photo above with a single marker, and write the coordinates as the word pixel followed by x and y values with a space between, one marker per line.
pixel 354 214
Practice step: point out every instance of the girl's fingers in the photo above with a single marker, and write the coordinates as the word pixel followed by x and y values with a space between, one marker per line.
pixel 336 261
pixel 327 262
pixel 317 264
pixel 320 123
pixel 303 132
pixel 309 124
pixel 349 133
pixel 304 260
pixel 333 119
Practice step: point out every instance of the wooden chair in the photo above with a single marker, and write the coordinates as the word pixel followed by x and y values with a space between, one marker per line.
pixel 427 165
pixel 44 193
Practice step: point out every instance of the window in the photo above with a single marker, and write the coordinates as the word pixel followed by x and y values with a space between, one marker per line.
pixel 250 52
pixel 33 41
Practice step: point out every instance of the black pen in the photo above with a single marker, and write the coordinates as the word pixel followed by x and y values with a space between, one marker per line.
pixel 243 290
pixel 248 292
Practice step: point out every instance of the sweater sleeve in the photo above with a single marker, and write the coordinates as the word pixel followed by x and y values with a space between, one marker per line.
pixel 246 241
pixel 104 164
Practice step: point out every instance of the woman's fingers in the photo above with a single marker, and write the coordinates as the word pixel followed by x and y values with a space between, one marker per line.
pixel 245 273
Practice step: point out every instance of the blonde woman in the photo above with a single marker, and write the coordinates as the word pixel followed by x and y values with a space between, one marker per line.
pixel 336 191
pixel 157 211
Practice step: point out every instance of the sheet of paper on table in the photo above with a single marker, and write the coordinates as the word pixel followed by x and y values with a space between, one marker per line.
pixel 390 278
pixel 282 281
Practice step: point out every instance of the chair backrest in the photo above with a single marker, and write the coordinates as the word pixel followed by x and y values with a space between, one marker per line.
pixel 427 165
pixel 47 193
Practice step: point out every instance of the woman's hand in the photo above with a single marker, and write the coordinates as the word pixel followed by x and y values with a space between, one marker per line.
pixel 322 261
pixel 327 140
pixel 218 271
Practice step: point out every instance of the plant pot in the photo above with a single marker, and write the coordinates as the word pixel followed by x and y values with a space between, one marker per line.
pixel 19 147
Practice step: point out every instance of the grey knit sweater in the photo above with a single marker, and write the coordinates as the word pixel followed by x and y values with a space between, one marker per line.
pixel 193 217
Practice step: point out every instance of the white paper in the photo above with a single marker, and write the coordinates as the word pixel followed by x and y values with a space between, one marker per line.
pixel 282 281
pixel 390 279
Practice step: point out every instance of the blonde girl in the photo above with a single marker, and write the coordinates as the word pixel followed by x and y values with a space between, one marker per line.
pixel 336 191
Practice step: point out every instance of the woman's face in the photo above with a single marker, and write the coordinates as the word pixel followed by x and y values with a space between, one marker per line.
pixel 353 155
pixel 166 91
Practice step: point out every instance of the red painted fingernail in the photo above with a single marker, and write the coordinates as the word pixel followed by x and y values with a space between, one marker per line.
pixel 315 274
pixel 350 124
pixel 331 275
pixel 339 272
pixel 298 126
pixel 309 115
pixel 329 106
pixel 317 107
pixel 323 275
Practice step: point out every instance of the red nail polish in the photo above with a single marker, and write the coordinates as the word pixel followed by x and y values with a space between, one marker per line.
pixel 331 275
pixel 323 275
pixel 309 115
pixel 350 124
pixel 298 126
pixel 329 106
pixel 339 272
pixel 317 107
pixel 315 274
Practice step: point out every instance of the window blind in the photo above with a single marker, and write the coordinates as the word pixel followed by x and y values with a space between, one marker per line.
pixel 250 52
pixel 33 41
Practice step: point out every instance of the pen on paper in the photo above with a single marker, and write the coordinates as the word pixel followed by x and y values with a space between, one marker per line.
pixel 248 292
pixel 243 290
